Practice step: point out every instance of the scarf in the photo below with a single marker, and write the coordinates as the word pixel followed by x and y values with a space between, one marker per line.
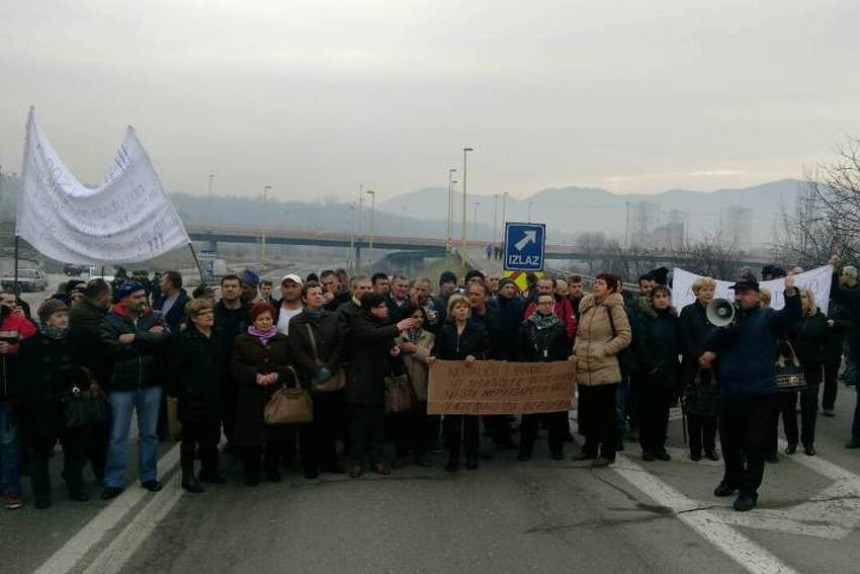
pixel 543 321
pixel 264 336
pixel 313 316
pixel 54 333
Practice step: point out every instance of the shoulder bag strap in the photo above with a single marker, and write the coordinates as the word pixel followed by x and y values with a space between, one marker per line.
pixel 313 342
pixel 611 322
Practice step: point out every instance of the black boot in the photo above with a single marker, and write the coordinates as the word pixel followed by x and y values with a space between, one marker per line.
pixel 190 482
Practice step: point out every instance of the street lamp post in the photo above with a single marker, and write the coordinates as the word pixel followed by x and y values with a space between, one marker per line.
pixel 466 150
pixel 372 195
pixel 530 210
pixel 475 221
pixel 211 179
pixel 451 182
pixel 495 218
pixel 266 188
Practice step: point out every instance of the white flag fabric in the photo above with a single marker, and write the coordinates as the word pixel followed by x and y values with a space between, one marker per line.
pixel 128 218
pixel 818 280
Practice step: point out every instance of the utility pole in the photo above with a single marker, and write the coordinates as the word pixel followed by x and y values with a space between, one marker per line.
pixel 211 179
pixel 495 218
pixel 475 221
pixel 372 195
pixel 266 188
pixel 451 181
pixel 466 150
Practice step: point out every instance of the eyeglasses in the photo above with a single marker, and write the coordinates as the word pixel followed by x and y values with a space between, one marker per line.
pixel 204 312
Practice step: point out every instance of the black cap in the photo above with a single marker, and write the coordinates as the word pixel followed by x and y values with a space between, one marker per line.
pixel 750 284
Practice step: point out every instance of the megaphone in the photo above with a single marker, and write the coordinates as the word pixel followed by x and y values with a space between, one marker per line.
pixel 720 312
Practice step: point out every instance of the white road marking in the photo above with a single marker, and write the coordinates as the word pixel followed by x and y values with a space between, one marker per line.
pixel 121 548
pixel 67 557
pixel 706 523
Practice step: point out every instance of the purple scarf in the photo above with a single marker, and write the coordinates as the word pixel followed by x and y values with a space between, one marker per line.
pixel 264 336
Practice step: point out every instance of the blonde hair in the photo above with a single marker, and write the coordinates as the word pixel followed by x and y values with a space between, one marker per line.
pixel 812 306
pixel 703 282
pixel 764 296
pixel 196 306
pixel 454 300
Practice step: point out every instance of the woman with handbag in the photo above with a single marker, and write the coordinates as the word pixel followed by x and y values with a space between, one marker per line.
pixel 316 343
pixel 807 341
pixel 259 363
pixel 371 346
pixel 416 345
pixel 197 380
pixel 460 339
pixel 49 383
pixel 700 394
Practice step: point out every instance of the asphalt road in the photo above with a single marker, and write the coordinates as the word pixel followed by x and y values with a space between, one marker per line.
pixel 539 516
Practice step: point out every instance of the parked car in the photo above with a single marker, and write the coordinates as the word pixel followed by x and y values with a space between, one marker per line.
pixel 29 279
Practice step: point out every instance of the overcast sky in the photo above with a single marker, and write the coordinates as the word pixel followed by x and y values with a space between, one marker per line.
pixel 317 97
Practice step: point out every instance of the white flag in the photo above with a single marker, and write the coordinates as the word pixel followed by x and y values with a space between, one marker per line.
pixel 128 218
pixel 818 280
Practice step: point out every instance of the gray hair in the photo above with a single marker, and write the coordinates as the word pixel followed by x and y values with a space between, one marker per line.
pixel 850 271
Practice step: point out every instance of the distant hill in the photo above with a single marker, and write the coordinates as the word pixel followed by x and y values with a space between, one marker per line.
pixel 572 210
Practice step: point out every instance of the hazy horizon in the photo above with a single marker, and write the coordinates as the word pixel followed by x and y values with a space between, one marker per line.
pixel 316 99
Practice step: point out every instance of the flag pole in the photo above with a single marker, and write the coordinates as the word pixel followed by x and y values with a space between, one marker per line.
pixel 197 262
pixel 17 287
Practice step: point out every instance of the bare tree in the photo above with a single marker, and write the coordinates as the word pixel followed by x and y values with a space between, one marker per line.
pixel 712 257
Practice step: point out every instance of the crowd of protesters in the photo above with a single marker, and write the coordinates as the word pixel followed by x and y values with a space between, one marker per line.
pixel 100 353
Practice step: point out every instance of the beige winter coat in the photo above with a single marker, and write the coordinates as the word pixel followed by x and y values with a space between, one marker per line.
pixel 596 346
pixel 416 367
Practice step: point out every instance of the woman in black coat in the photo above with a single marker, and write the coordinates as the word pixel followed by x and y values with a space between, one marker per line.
pixel 660 370
pixel 460 339
pixel 371 347
pixel 260 364
pixel 807 338
pixel 544 339
pixel 316 343
pixel 46 376
pixel 699 385
pixel 198 381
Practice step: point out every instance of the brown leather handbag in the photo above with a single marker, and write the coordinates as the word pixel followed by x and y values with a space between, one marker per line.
pixel 399 392
pixel 334 383
pixel 289 405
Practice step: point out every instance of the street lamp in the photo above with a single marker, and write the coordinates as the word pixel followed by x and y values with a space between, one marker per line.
pixel 475 221
pixel 372 195
pixel 266 188
pixel 451 182
pixel 211 179
pixel 466 150
pixel 504 211
pixel 495 217
pixel 530 210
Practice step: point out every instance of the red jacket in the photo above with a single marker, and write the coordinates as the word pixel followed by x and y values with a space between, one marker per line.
pixel 563 310
pixel 13 329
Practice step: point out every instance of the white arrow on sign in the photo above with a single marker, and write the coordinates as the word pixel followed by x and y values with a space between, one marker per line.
pixel 530 237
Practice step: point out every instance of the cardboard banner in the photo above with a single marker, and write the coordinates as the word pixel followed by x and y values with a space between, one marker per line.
pixel 500 388
pixel 127 218
pixel 818 280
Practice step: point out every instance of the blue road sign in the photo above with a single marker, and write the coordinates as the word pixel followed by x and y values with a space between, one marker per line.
pixel 524 246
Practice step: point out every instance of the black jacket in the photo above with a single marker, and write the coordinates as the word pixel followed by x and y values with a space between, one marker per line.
pixel 137 364
pixel 329 344
pixel 504 340
pixel 808 337
pixel 176 315
pixel 660 347
pixel 197 377
pixel 85 343
pixel 842 325
pixel 232 322
pixel 46 371
pixel 450 346
pixel 693 329
pixel 370 343
pixel 543 345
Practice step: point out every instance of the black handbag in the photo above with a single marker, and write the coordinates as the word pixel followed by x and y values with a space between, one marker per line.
pixel 789 374
pixel 83 409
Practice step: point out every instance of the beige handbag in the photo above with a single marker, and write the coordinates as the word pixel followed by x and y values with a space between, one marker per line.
pixel 334 383
pixel 289 405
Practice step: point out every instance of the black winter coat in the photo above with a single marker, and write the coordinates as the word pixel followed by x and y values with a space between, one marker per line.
pixel 660 348
pixel 249 358
pixel 370 342
pixel 232 322
pixel 176 315
pixel 197 377
pixel 85 343
pixel 329 344
pixel 842 326
pixel 137 364
pixel 504 340
pixel 693 328
pixel 543 345
pixel 45 371
pixel 808 337
pixel 451 346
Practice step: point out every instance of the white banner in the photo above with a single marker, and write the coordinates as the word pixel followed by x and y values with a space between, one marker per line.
pixel 128 218
pixel 819 280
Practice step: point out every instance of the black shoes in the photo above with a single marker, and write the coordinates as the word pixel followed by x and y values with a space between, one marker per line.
pixel 524 456
pixel 853 443
pixel 712 455
pixel 79 496
pixel 724 490
pixel 648 456
pixel 695 456
pixel 663 455
pixel 601 462
pixel 151 485
pixel 582 455
pixel 452 466
pixel 110 492
pixel 211 477
pixel 42 503
pixel 772 458
pixel 745 501
pixel 558 455
pixel 809 449
pixel 190 483
pixel 471 462
pixel 791 448
pixel 274 476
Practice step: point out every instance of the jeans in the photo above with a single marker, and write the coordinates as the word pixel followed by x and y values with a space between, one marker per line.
pixel 10 478
pixel 146 402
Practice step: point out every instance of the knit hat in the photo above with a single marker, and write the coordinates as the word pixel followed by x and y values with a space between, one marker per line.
pixel 127 289
pixel 506 281
pixel 447 277
pixel 49 307
pixel 249 277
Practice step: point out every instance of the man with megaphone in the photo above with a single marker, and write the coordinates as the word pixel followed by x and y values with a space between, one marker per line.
pixel 745 344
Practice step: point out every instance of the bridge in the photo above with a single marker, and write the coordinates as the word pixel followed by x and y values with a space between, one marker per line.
pixel 425 246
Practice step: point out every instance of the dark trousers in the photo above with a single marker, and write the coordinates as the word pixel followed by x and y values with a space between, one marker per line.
pixel 462 430
pixel 324 432
pixel 410 431
pixel 831 382
pixel 703 433
pixel 808 415
pixel 654 403
pixel 597 419
pixel 271 453
pixel 433 428
pixel 207 434
pixel 745 425
pixel 303 437
pixel 558 428
pixel 500 428
pixel 366 434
